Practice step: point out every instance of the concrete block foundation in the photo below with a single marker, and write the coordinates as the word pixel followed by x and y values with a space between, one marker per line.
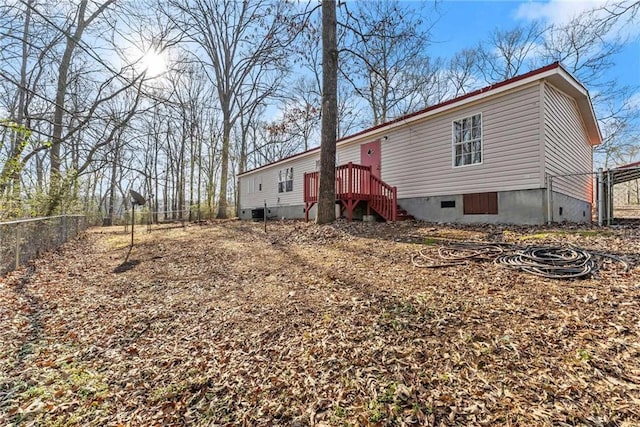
pixel 526 207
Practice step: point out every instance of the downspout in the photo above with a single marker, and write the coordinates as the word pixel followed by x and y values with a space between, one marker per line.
pixel 549 199
pixel 238 196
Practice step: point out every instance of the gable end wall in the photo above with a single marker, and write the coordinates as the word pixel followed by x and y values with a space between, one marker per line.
pixel 567 149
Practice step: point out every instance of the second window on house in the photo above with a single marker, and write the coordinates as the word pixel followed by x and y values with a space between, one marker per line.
pixel 285 180
pixel 467 140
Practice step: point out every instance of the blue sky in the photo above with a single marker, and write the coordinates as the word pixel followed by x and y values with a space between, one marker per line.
pixel 462 24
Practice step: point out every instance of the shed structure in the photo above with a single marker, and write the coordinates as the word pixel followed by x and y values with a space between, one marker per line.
pixel 484 157
pixel 622 193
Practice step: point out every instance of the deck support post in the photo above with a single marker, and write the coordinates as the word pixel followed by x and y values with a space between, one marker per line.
pixel 350 205
pixel 307 208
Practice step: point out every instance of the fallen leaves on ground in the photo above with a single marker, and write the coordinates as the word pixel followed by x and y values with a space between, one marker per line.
pixel 224 324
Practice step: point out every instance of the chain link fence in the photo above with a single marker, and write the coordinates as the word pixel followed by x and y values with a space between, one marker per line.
pixel 625 199
pixel 613 195
pixel 25 239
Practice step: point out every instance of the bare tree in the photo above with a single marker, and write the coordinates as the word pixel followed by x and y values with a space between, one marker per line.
pixel 306 93
pixel 587 46
pixel 460 74
pixel 73 32
pixel 26 49
pixel 243 43
pixel 300 115
pixel 70 91
pixel 508 53
pixel 386 43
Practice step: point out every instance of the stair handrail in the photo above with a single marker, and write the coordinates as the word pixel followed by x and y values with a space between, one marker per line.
pixel 384 198
pixel 357 181
pixel 310 187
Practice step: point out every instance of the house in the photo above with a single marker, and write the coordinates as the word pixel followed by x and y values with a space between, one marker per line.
pixel 484 157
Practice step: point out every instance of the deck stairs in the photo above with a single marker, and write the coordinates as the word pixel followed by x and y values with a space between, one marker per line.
pixel 403 215
pixel 356 184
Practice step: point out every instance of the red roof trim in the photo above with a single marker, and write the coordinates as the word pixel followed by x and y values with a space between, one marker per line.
pixel 629 165
pixel 460 98
pixel 494 86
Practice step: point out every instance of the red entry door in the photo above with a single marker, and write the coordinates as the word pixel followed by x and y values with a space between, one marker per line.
pixel 370 156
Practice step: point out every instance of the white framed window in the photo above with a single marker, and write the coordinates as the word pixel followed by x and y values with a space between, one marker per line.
pixel 467 140
pixel 285 180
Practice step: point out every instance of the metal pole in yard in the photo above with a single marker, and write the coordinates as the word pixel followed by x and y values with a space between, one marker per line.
pixel 610 198
pixel 264 215
pixel 600 197
pixel 133 220
pixel 549 200
pixel 18 245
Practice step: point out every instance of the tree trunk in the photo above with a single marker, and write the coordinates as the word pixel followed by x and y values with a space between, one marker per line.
pixel 327 191
pixel 59 109
pixel 192 161
pixel 114 182
pixel 224 165
pixel 10 175
pixel 55 182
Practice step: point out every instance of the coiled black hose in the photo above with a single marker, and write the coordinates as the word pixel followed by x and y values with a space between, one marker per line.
pixel 551 262
pixel 554 262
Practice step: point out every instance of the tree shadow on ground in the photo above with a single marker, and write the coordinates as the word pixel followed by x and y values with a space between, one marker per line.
pixel 126 266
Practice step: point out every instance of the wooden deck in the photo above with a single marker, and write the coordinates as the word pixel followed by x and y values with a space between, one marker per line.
pixel 355 184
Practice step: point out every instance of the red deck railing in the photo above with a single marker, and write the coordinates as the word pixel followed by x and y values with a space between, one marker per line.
pixel 384 199
pixel 354 184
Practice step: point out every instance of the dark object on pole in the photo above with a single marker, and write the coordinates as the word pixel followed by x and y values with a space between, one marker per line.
pixel 136 199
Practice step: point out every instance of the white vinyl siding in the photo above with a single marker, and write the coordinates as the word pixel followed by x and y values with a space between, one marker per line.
pixel 252 185
pixel 269 177
pixel 417 158
pixel 567 149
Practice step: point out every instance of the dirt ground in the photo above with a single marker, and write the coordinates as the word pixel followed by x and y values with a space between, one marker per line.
pixel 224 324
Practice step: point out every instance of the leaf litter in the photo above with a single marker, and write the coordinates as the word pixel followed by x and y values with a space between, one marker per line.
pixel 223 324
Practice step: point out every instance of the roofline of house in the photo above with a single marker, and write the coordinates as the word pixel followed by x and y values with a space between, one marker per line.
pixel 534 75
pixel 627 166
